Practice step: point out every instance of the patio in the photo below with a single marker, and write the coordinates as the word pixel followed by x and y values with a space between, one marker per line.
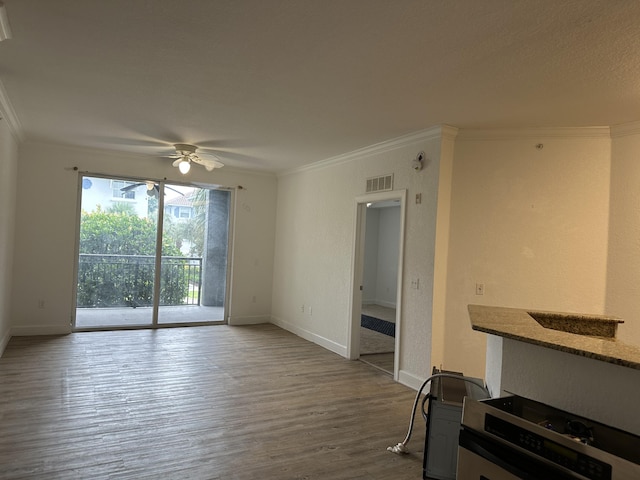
pixel 127 317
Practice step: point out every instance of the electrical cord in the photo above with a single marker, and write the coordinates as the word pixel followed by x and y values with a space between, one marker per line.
pixel 402 446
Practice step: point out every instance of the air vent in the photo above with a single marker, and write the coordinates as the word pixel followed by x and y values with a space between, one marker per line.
pixel 380 184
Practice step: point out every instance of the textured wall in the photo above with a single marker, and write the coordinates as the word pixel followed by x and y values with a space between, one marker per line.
pixel 46 221
pixel 315 242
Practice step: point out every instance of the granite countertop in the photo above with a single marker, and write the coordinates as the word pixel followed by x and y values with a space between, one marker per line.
pixel 590 336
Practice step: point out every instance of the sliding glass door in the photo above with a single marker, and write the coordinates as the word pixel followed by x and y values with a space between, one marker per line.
pixel 193 281
pixel 150 253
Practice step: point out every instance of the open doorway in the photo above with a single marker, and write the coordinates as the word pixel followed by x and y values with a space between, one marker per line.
pixel 377 280
pixel 150 254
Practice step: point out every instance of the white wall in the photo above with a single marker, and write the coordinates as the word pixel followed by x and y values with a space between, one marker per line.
pixel 388 248
pixel 46 213
pixel 382 243
pixel 623 273
pixel 8 178
pixel 370 270
pixel 314 246
pixel 530 224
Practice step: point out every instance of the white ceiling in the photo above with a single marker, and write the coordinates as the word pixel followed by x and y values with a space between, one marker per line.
pixel 275 84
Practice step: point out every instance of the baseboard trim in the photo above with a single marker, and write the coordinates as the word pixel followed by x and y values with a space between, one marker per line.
pixel 254 320
pixel 379 303
pixel 4 341
pixel 386 304
pixel 34 330
pixel 410 380
pixel 312 337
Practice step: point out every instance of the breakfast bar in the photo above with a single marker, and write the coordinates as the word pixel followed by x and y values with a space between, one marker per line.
pixel 572 361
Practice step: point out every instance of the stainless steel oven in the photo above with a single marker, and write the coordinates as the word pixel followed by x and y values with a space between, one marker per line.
pixel 516 438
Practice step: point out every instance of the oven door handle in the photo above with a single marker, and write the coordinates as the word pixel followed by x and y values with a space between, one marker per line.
pixel 519 464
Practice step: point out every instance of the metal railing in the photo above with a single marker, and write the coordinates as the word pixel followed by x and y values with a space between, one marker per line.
pixel 108 280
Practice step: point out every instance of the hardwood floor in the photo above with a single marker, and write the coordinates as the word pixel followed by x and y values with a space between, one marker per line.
pixel 211 402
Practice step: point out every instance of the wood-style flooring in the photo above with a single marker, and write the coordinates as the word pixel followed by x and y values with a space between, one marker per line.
pixel 210 402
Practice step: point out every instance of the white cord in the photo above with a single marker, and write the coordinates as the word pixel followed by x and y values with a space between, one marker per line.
pixel 401 447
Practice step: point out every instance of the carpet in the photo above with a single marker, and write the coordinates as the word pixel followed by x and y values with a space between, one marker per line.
pixel 378 325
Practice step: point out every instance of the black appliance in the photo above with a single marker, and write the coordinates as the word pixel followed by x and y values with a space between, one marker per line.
pixel 517 438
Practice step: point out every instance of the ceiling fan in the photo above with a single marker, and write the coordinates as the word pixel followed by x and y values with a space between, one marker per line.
pixel 186 154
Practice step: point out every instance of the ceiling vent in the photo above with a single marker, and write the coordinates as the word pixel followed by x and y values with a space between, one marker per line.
pixel 380 184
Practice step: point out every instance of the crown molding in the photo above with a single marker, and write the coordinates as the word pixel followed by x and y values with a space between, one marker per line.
pixel 9 114
pixel 625 129
pixel 449 132
pixel 533 133
pixel 432 133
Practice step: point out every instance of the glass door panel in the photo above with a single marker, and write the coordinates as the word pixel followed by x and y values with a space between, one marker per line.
pixel 117 253
pixel 193 266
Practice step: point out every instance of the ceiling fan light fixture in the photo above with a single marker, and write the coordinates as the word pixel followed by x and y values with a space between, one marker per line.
pixel 184 166
pixel 186 155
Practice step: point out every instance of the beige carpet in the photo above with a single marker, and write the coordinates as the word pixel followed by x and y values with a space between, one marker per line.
pixel 376 342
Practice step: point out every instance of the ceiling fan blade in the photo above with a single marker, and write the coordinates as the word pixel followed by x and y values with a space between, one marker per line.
pixel 209 163
pixel 167 187
pixel 131 187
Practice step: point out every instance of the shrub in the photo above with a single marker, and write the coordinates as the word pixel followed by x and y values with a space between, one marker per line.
pixel 117 256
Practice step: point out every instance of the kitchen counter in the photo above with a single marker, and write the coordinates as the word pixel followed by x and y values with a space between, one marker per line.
pixel 591 336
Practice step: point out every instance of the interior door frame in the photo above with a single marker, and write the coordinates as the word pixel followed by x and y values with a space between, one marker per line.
pixel 162 183
pixel 353 335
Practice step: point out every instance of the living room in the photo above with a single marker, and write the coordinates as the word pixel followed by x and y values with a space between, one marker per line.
pixel 532 195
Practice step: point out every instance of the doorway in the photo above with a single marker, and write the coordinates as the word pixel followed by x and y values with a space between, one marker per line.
pixel 151 253
pixel 377 284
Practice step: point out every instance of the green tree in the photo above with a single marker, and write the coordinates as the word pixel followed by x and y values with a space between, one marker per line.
pixel 193 229
pixel 122 208
pixel 121 232
pixel 117 261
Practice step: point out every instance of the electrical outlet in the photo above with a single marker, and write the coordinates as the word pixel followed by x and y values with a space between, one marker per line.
pixel 40 303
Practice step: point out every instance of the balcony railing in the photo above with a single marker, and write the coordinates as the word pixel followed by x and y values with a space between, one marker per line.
pixel 127 280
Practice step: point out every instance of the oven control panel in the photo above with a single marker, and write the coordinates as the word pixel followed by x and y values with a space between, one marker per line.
pixel 577 462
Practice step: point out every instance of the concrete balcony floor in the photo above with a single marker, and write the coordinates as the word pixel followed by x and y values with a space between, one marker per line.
pixel 127 317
